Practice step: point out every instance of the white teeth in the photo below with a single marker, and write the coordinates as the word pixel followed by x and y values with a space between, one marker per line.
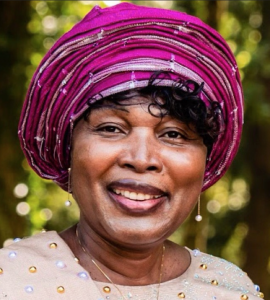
pixel 140 196
pixel 125 193
pixel 135 196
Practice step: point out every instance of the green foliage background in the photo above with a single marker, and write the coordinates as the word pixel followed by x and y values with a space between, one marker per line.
pixel 238 227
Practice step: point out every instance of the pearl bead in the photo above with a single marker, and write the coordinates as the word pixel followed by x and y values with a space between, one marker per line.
pixel 203 266
pixel 198 218
pixel 106 289
pixel 76 259
pixel 12 254
pixel 28 289
pixel 53 245
pixel 32 269
pixel 181 295
pixel 244 297
pixel 257 288
pixel 214 282
pixel 196 252
pixel 60 264
pixel 83 275
pixel 60 290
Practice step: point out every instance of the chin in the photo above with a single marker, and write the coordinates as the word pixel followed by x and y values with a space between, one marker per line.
pixel 140 232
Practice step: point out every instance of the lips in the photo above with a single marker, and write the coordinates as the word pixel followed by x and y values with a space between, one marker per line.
pixel 135 196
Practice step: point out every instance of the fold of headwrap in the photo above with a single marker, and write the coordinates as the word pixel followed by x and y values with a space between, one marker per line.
pixel 116 49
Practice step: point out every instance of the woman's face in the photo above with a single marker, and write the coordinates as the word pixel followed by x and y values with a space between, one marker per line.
pixel 135 177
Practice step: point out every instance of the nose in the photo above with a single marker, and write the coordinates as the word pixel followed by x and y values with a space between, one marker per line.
pixel 141 153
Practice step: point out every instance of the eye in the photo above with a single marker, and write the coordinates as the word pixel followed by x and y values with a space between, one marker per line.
pixel 109 128
pixel 174 135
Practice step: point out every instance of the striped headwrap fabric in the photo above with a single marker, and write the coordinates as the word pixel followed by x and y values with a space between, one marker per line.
pixel 116 49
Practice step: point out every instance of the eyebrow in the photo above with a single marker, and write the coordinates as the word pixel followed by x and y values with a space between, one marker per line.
pixel 109 107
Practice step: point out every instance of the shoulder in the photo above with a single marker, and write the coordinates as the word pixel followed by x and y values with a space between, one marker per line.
pixel 30 245
pixel 223 278
pixel 34 265
pixel 39 246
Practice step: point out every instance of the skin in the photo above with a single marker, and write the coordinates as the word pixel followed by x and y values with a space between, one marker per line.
pixel 128 148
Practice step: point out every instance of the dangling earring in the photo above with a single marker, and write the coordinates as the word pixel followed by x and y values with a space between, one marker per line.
pixel 198 218
pixel 68 202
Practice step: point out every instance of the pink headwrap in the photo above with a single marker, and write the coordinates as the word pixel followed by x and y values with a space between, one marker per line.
pixel 117 49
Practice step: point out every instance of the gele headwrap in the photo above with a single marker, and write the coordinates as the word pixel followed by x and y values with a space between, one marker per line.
pixel 117 49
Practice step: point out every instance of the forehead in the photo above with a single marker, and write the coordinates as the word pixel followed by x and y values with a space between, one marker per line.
pixel 154 107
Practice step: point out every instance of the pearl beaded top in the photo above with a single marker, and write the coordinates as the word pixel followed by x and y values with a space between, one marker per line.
pixel 43 267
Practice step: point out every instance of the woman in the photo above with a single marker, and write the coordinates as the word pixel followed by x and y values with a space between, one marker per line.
pixel 135 111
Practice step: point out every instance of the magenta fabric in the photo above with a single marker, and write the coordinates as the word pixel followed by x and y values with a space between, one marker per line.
pixel 116 49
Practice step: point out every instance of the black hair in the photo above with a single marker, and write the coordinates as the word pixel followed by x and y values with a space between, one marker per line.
pixel 181 101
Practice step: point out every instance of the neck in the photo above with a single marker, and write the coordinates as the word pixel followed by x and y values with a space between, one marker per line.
pixel 123 265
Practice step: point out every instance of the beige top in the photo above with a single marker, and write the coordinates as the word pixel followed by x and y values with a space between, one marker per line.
pixel 43 267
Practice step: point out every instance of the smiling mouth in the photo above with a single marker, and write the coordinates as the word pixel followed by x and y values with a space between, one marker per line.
pixel 135 196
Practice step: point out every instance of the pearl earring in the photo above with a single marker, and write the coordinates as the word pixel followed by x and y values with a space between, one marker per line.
pixel 198 218
pixel 68 202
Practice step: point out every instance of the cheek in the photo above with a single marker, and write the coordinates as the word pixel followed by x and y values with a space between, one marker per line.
pixel 187 168
pixel 87 169
pixel 186 173
pixel 90 161
pixel 89 155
